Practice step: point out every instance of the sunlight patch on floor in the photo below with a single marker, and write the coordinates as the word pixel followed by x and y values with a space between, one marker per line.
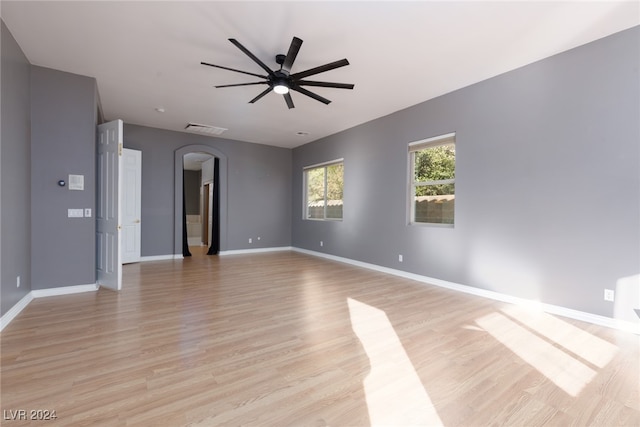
pixel 581 343
pixel 534 343
pixel 395 395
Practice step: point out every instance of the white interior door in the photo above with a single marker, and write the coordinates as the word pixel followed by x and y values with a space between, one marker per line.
pixel 108 257
pixel 131 179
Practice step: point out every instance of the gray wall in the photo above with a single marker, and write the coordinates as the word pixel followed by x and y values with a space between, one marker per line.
pixel 548 188
pixel 15 172
pixel 192 186
pixel 555 145
pixel 63 142
pixel 258 193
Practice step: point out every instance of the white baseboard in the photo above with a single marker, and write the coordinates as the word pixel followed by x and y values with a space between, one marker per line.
pixel 39 293
pixel 64 290
pixel 15 310
pixel 160 257
pixel 623 325
pixel 254 251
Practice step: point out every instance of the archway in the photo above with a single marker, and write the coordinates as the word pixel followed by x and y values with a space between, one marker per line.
pixel 198 187
pixel 178 193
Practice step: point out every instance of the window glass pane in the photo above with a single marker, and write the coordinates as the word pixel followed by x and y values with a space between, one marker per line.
pixel 435 203
pixel 435 190
pixel 335 183
pixel 315 193
pixel 434 172
pixel 315 210
pixel 323 192
pixel 435 163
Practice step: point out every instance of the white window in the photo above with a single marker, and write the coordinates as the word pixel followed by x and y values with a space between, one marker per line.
pixel 432 180
pixel 323 186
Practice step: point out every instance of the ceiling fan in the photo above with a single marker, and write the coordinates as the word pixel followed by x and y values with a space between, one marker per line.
pixel 282 81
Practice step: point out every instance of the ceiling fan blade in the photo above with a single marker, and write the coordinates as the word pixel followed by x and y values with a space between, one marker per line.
pixel 294 48
pixel 310 94
pixel 320 69
pixel 233 69
pixel 251 55
pixel 287 98
pixel 243 84
pixel 325 84
pixel 269 89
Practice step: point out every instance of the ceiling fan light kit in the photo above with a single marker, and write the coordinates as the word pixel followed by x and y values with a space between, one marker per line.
pixel 281 81
pixel 281 88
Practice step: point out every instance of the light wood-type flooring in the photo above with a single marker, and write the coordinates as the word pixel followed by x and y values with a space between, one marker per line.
pixel 287 339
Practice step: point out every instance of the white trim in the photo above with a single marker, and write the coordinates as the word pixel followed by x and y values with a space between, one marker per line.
pixel 254 251
pixel 15 310
pixel 64 290
pixel 39 293
pixel 160 257
pixel 431 225
pixel 440 182
pixel 434 141
pixel 323 164
pixel 609 322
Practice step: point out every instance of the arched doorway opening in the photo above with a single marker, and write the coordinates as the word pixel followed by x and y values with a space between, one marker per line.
pixel 180 225
pixel 199 200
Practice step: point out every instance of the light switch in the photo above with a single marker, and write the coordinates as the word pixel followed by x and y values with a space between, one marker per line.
pixel 75 213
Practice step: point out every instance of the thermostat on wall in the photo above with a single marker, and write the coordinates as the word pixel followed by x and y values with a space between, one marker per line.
pixel 76 182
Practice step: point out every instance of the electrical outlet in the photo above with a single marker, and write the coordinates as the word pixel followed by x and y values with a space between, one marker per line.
pixel 400 258
pixel 250 240
pixel 87 212
pixel 18 281
pixel 321 243
pixel 609 295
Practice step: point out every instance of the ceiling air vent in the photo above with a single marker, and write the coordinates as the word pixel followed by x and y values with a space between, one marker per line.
pixel 207 129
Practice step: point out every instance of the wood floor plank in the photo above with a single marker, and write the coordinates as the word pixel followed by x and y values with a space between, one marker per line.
pixel 283 338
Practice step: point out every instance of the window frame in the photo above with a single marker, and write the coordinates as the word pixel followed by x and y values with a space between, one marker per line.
pixel 325 165
pixel 414 147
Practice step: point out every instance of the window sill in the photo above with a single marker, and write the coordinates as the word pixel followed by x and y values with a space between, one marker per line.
pixel 431 224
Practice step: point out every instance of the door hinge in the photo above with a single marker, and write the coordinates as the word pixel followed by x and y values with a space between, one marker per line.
pixel 120 149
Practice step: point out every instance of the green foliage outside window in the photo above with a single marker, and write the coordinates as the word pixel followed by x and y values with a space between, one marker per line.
pixel 324 196
pixel 335 182
pixel 435 164
pixel 315 185
pixel 433 191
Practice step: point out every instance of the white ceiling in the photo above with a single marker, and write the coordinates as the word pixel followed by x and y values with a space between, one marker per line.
pixel 146 55
pixel 194 161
